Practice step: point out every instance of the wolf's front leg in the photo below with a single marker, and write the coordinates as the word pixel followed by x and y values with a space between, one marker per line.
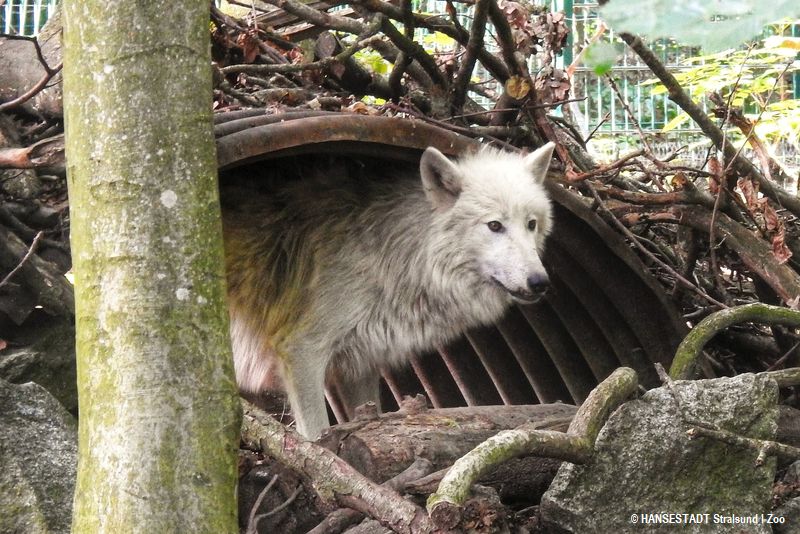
pixel 304 380
pixel 363 388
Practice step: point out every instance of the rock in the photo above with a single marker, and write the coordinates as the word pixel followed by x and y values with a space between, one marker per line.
pixel 38 459
pixel 787 518
pixel 792 475
pixel 645 465
pixel 49 361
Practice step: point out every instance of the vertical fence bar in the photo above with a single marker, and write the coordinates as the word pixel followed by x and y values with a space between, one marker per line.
pixel 599 100
pixel 569 12
pixel 7 17
pixel 796 75
pixel 23 17
pixel 37 15
pixel 624 96
pixel 639 98
pixel 612 99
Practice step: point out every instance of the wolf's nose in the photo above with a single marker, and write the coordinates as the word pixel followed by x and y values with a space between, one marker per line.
pixel 538 283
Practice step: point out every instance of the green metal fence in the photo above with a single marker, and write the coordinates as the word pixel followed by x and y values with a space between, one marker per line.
pixel 600 111
pixel 24 17
pixel 615 129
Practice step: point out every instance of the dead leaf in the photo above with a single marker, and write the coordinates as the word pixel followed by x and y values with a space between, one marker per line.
pixel 762 211
pixel 552 85
pixel 295 55
pixel 715 168
pixel 631 219
pixel 749 192
pixel 361 108
pixel 771 220
pixel 679 181
pixel 337 70
pixel 518 87
pixel 249 45
pixel 515 12
pixel 779 248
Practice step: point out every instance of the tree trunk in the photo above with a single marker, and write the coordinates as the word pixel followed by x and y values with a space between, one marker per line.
pixel 159 413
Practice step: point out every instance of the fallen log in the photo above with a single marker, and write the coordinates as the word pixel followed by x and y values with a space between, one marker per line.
pixel 382 446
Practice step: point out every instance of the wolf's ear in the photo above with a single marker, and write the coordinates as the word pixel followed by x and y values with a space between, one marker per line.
pixel 440 179
pixel 538 162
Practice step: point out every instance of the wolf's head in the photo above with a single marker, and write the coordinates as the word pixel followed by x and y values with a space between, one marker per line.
pixel 495 206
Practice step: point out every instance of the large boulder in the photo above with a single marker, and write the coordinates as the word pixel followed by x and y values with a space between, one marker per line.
pixel 48 358
pixel 646 467
pixel 38 459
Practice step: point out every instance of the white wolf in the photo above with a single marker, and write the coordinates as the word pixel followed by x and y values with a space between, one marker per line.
pixel 348 275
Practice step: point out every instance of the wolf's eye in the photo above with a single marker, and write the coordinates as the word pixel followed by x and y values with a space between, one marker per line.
pixel 532 225
pixel 495 226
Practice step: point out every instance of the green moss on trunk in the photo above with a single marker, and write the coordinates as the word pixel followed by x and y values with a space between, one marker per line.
pixel 158 405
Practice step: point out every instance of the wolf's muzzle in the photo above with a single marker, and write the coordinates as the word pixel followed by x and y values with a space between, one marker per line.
pixel 538 284
pixel 537 287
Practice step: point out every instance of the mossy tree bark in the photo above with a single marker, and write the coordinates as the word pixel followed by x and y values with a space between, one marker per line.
pixel 159 412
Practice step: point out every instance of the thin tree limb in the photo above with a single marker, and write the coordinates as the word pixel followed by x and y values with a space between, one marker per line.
pixel 764 448
pixel 24 259
pixel 634 239
pixel 33 91
pixel 404 59
pixel 575 445
pixel 252 523
pixel 317 17
pixel 340 519
pixel 686 357
pixel 676 93
pixel 47 154
pixel 415 51
pixel 52 290
pixel 435 22
pixel 332 478
pixel 505 39
pixel 475 43
pixel 687 196
pixel 753 251
pixel 49 73
pixel 365 40
pixel 602 169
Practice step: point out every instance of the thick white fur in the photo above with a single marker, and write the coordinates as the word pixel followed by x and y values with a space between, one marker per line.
pixel 373 271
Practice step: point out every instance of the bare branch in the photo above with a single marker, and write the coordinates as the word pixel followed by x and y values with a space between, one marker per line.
pixel 436 23
pixel 461 82
pixel 317 17
pixel 574 446
pixel 404 59
pixel 415 51
pixel 24 259
pixel 333 478
pixel 635 240
pixel 717 136
pixel 505 39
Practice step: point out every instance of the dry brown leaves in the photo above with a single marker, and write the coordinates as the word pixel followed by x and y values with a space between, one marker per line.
pixel 763 212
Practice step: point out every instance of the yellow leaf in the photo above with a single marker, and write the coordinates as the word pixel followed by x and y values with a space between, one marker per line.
pixel 674 123
pixel 782 41
pixel 518 87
